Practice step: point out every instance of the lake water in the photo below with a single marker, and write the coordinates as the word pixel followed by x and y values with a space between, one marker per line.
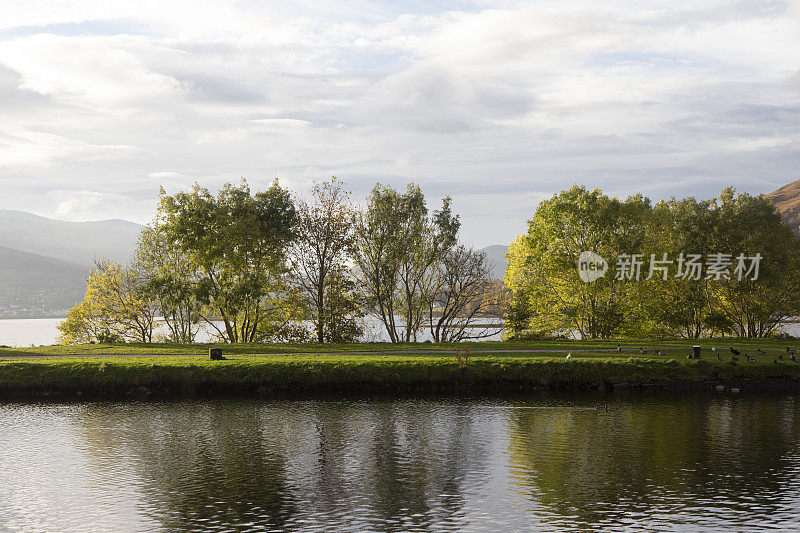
pixel 44 331
pixel 29 331
pixel 648 463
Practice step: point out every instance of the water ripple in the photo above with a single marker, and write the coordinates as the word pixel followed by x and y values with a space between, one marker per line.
pixel 689 463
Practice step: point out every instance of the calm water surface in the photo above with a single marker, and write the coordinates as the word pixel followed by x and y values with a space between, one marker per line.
pixel 684 463
pixel 44 331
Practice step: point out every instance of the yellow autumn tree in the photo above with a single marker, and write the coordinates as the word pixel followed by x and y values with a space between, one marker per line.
pixel 115 308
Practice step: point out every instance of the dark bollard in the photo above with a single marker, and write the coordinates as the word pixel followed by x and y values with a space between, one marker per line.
pixel 696 352
pixel 215 354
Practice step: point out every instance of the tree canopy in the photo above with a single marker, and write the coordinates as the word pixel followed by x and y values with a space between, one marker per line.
pixel 646 291
pixel 262 266
pixel 236 244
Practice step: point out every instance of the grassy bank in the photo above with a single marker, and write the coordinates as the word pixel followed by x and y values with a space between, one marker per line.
pixel 674 347
pixel 307 369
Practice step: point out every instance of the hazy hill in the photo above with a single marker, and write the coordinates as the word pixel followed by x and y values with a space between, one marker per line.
pixel 34 285
pixel 787 200
pixel 75 242
pixel 497 256
pixel 44 262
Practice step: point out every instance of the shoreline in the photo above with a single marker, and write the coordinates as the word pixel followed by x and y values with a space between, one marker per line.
pixel 307 376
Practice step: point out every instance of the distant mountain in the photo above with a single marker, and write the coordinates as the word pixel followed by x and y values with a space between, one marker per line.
pixel 497 256
pixel 787 200
pixel 44 262
pixel 35 286
pixel 75 242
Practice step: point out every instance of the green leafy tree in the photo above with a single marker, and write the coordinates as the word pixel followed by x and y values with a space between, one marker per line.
pixel 396 245
pixel 236 244
pixel 517 279
pixel 544 271
pixel 171 281
pixel 323 244
pixel 745 224
pixel 678 304
pixel 283 311
pixel 114 308
pixel 344 319
pixel 549 298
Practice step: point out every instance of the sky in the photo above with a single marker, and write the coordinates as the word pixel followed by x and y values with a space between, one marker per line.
pixel 496 104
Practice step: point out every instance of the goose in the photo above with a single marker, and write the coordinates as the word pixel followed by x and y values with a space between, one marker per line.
pixel 776 361
pixel 719 357
pixel 760 351
pixel 734 358
pixel 790 350
pixel 619 348
pixel 569 355
pixel 792 357
pixel 750 359
pixel 780 356
pixel 735 352
pixel 642 351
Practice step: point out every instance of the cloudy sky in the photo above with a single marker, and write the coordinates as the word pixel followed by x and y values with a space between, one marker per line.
pixel 498 104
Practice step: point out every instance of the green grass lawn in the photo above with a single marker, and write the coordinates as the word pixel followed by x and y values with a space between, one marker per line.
pixel 674 347
pixel 335 367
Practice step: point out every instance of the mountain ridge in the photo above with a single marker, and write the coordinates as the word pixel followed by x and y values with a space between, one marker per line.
pixel 75 242
pixel 787 201
pixel 36 286
pixel 496 254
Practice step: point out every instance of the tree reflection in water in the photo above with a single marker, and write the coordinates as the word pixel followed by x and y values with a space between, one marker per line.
pixel 651 458
pixel 202 464
pixel 664 462
pixel 242 464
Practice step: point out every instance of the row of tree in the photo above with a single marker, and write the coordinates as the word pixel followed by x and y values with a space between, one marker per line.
pixel 257 267
pixel 550 299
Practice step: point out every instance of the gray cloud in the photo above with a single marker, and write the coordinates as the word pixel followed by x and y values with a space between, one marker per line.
pixel 496 105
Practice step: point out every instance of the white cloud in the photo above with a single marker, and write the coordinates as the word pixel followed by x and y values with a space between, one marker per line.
pixel 25 149
pixel 167 174
pixel 496 104
pixel 95 70
pixel 281 122
pixel 79 203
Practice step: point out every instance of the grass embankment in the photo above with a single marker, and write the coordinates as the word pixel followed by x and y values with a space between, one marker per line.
pixel 98 370
pixel 675 348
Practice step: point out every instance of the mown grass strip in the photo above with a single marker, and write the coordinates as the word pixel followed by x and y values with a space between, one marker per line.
pixel 675 347
pixel 348 372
